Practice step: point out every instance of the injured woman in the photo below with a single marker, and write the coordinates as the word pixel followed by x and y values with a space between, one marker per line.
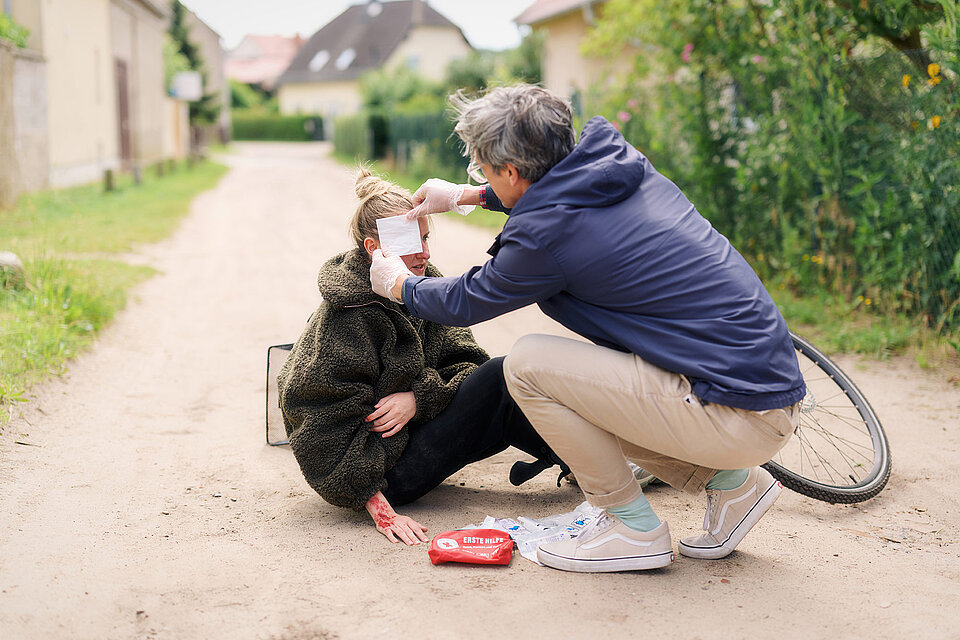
pixel 381 407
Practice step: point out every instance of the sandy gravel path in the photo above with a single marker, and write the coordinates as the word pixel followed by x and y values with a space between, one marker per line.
pixel 150 506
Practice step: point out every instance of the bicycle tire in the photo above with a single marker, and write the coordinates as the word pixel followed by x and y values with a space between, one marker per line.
pixel 838 428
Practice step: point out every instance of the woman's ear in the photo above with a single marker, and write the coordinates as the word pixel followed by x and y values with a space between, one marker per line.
pixel 370 245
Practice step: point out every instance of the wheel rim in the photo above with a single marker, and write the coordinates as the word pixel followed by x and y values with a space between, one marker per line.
pixel 838 444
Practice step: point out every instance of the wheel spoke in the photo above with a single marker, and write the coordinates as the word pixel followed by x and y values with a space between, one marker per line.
pixel 832 441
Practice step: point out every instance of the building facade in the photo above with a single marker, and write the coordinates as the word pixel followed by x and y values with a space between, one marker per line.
pixel 87 92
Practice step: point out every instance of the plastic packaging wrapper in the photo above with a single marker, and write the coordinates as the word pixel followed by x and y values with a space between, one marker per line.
pixel 529 533
pixel 474 546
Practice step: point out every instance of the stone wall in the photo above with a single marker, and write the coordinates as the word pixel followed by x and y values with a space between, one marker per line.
pixel 24 146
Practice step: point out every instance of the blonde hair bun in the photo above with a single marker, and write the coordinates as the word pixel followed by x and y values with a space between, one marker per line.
pixel 369 185
pixel 379 198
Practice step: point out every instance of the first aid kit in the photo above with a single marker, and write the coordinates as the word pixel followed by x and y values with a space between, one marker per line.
pixel 473 546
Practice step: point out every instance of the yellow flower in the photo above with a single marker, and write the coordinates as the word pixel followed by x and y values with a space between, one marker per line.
pixel 915 125
pixel 868 301
pixel 935 121
pixel 760 257
pixel 933 69
pixel 935 80
pixel 905 80
pixel 806 257
pixel 859 298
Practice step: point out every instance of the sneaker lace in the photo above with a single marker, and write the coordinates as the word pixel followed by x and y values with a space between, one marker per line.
pixel 603 521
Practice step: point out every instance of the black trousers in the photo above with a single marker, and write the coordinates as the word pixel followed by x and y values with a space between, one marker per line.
pixel 481 421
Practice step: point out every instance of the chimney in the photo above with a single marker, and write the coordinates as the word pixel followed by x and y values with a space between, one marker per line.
pixel 417 12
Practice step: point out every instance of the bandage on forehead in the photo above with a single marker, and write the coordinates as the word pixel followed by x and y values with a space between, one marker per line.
pixel 399 236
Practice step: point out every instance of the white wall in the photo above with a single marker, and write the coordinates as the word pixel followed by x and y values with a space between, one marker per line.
pixel 428 50
pixel 330 99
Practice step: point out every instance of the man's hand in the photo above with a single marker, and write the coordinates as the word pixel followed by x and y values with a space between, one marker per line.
pixel 392 525
pixel 393 412
pixel 438 196
pixel 385 271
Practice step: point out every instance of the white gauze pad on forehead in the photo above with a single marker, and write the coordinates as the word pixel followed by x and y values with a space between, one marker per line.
pixel 399 236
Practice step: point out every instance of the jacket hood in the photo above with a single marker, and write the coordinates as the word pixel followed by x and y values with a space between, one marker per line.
pixel 602 169
pixel 344 280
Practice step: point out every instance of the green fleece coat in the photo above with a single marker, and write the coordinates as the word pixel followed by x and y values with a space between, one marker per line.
pixel 356 349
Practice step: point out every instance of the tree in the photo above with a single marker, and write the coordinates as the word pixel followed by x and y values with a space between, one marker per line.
pixel 206 110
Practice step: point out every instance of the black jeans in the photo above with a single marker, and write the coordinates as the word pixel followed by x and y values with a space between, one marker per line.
pixel 480 421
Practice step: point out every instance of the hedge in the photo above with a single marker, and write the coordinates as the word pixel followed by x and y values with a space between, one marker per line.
pixel 276 127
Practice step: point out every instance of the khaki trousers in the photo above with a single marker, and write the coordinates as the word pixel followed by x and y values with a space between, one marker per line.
pixel 597 407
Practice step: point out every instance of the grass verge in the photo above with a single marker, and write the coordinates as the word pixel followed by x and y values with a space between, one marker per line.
pixel 71 289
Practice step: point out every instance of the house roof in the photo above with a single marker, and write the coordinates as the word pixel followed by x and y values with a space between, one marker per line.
pixel 542 10
pixel 360 39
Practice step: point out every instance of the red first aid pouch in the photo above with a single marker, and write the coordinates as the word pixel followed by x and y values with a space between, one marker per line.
pixel 476 546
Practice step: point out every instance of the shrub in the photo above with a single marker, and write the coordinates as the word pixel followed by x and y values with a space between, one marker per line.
pixel 12 31
pixel 263 126
pixel 826 155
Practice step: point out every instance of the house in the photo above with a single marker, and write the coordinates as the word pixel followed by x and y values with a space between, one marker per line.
pixel 323 77
pixel 87 92
pixel 99 85
pixel 261 59
pixel 566 71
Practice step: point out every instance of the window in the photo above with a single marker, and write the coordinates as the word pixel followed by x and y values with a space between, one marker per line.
pixel 319 60
pixel 345 58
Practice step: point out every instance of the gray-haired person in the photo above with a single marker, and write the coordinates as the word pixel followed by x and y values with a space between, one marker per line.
pixel 691 372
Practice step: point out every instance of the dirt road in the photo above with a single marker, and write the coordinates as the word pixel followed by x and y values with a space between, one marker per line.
pixel 146 503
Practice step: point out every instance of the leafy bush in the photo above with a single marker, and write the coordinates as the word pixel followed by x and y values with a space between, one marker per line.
pixel 808 136
pixel 265 126
pixel 351 137
pixel 12 31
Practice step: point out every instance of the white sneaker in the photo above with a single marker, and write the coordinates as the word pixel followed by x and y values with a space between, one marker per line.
pixel 731 514
pixel 609 545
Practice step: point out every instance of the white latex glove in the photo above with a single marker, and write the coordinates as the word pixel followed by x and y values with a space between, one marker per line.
pixel 384 271
pixel 438 196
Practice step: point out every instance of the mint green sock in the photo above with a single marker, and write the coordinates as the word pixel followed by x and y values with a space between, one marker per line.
pixel 726 479
pixel 638 515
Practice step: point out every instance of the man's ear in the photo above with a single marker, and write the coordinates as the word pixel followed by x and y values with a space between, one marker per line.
pixel 370 245
pixel 512 174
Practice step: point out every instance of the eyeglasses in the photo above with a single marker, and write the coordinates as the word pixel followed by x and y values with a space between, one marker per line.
pixel 476 173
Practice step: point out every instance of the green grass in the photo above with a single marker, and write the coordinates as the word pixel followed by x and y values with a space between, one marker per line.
pixel 71 290
pixel 87 220
pixel 838 326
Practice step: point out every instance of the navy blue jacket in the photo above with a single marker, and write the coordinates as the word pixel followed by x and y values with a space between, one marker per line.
pixel 615 252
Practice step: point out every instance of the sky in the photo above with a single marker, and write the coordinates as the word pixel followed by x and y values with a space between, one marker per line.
pixel 487 24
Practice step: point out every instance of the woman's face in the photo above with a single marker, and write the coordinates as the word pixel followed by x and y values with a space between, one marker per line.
pixel 416 262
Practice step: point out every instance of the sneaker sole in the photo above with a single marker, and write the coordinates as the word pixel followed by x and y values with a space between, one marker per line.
pixel 605 565
pixel 753 517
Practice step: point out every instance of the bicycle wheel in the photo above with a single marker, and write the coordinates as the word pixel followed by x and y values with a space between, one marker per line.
pixel 839 452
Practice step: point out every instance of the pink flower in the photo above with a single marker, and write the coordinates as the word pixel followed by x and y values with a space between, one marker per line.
pixel 687 50
pixel 623 116
pixel 757 59
pixel 633 103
